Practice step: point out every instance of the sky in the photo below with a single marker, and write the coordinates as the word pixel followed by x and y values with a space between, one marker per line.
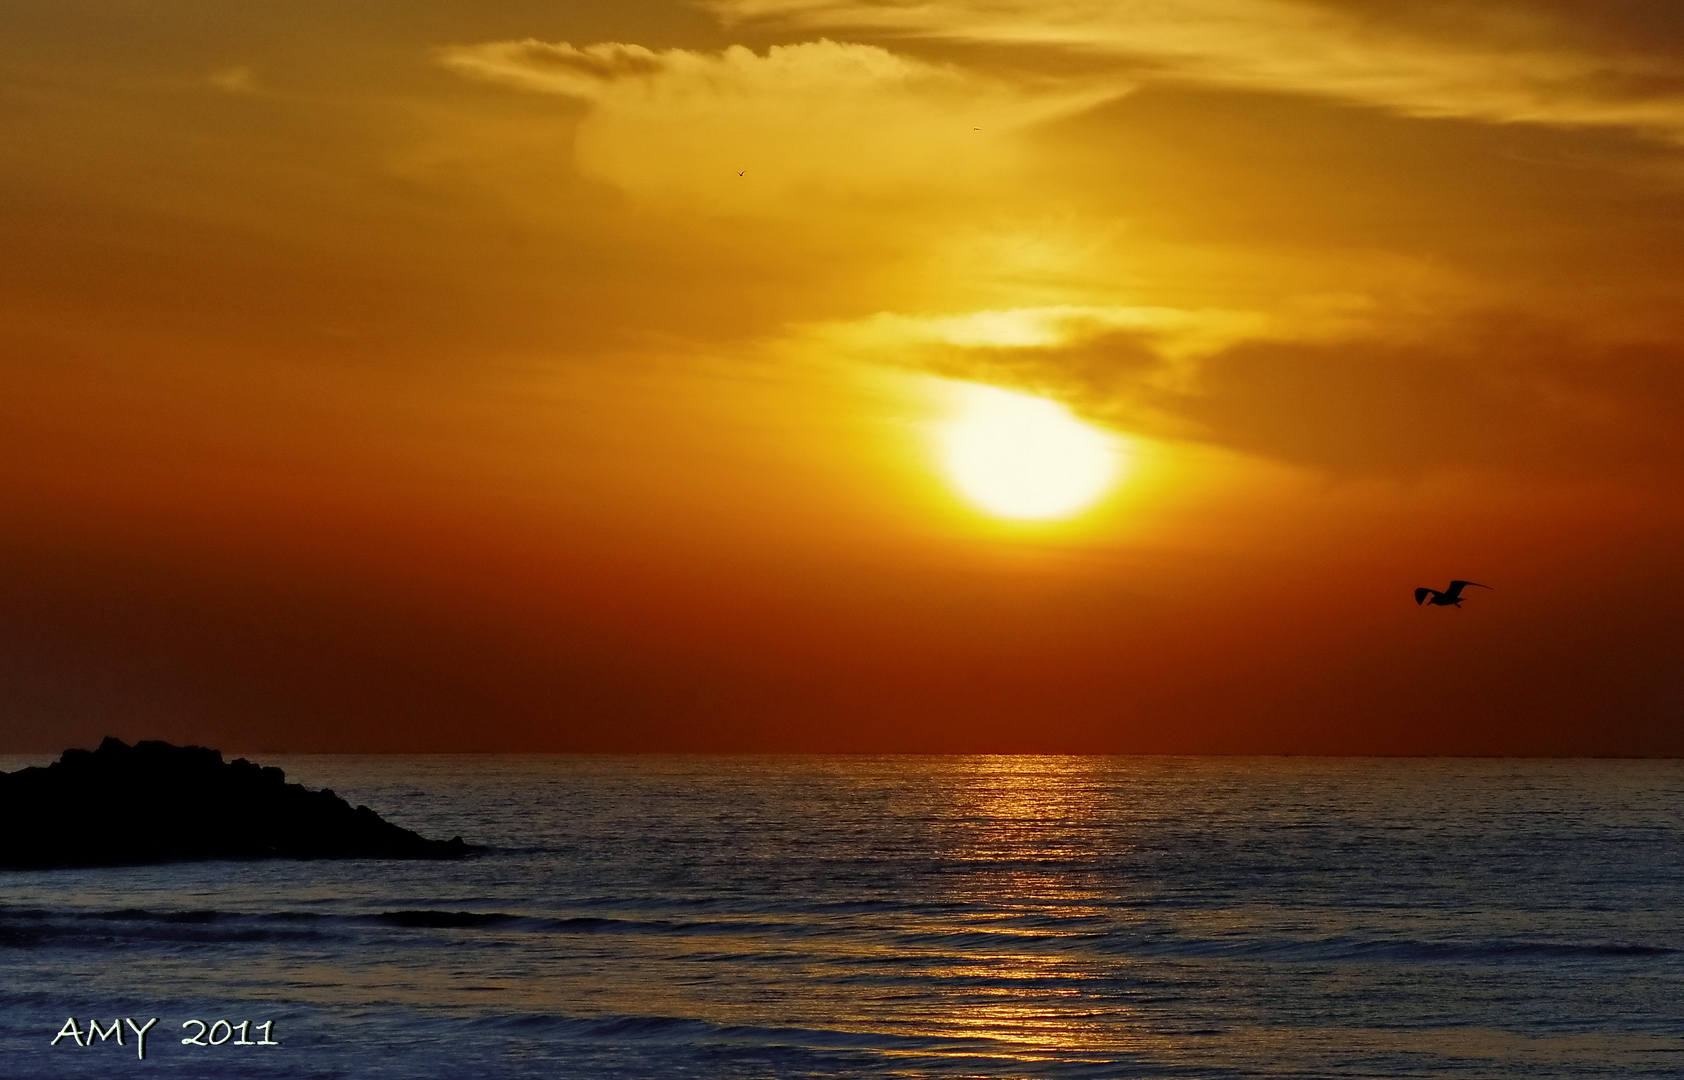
pixel 439 376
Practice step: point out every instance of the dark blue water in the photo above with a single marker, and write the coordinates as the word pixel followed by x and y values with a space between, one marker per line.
pixel 994 917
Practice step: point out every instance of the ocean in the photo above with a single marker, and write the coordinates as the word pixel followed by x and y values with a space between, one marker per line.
pixel 659 917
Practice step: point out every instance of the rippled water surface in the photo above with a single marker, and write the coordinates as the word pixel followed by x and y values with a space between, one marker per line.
pixel 899 917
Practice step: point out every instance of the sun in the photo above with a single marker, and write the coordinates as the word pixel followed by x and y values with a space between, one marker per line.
pixel 1026 458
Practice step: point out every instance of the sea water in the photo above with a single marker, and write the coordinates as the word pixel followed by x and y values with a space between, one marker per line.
pixel 760 917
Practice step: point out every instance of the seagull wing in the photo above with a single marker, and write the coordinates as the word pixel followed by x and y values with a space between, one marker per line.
pixel 1458 586
pixel 1421 594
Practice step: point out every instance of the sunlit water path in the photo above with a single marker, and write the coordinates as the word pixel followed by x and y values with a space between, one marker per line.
pixel 763 917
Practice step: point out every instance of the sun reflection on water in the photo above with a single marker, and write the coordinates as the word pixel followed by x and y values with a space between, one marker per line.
pixel 1024 834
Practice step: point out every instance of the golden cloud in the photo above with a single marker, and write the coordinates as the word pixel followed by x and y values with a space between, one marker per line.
pixel 752 133
pixel 1501 63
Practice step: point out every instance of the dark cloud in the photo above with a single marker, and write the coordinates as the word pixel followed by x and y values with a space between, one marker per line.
pixel 1497 391
pixel 1492 393
pixel 1103 374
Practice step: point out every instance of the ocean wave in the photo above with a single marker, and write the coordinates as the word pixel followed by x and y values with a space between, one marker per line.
pixel 991 941
pixel 439 920
pixel 1356 948
pixel 142 915
pixel 832 1051
pixel 894 942
pixel 619 1027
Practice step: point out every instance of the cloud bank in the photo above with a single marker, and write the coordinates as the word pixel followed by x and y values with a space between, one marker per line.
pixel 1558 63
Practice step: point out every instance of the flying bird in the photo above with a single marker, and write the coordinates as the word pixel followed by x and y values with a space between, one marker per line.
pixel 1451 597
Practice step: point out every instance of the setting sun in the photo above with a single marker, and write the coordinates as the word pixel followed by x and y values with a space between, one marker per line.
pixel 1024 457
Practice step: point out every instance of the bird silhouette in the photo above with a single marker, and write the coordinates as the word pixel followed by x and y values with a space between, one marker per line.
pixel 741 171
pixel 1451 597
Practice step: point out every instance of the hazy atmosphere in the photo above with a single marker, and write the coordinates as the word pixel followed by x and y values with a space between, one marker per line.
pixel 652 376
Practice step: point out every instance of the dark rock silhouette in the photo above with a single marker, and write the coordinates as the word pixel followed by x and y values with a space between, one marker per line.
pixel 154 802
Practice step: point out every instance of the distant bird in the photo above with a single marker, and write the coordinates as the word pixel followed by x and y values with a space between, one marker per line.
pixel 1451 597
pixel 741 171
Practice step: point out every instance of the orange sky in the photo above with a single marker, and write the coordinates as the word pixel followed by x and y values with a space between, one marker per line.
pixel 418 377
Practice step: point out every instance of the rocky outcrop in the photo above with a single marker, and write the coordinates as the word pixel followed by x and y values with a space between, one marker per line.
pixel 154 802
